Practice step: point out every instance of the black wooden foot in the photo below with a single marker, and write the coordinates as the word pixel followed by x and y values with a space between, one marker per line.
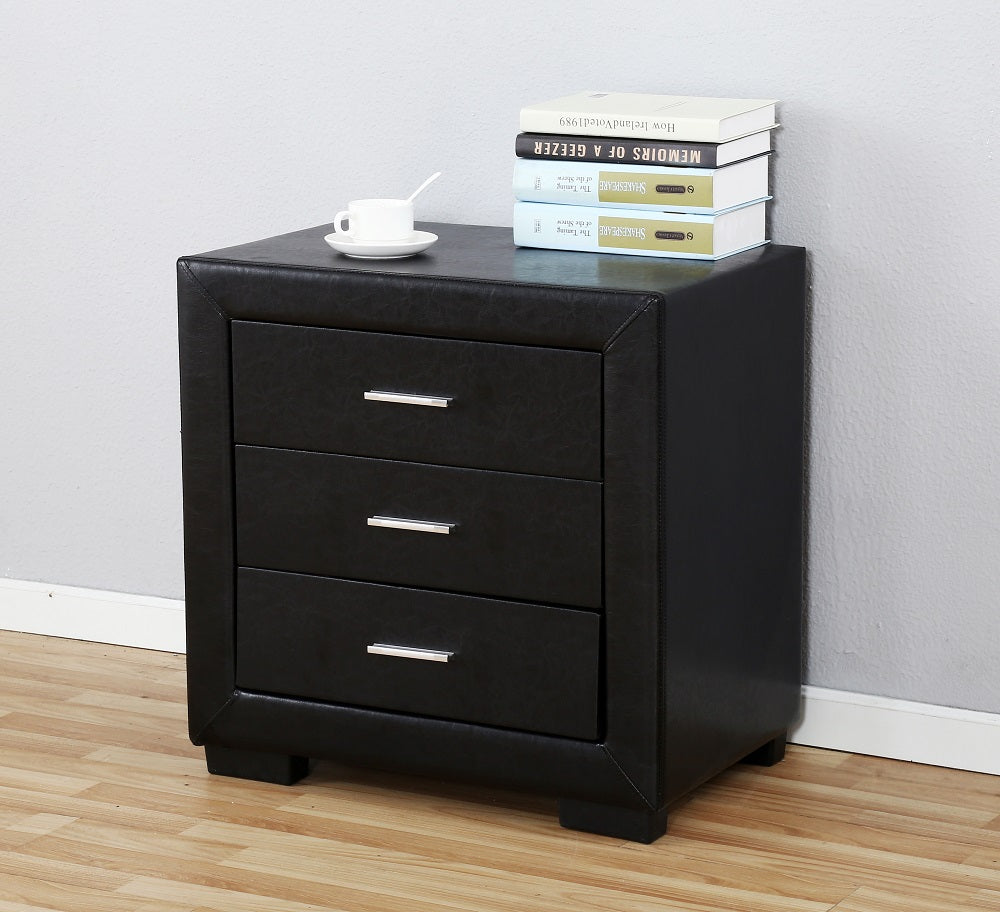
pixel 282 769
pixel 768 754
pixel 638 825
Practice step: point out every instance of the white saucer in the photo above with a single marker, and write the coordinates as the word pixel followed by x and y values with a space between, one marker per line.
pixel 381 250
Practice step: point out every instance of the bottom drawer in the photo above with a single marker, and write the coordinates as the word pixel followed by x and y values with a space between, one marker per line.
pixel 487 661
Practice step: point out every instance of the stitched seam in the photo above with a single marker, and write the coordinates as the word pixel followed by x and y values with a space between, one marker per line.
pixel 202 290
pixel 664 341
pixel 208 725
pixel 626 777
pixel 638 312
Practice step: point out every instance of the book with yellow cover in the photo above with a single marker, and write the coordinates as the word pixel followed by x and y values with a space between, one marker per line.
pixel 606 229
pixel 634 114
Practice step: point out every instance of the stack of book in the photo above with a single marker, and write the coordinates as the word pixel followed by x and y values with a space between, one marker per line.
pixel 652 175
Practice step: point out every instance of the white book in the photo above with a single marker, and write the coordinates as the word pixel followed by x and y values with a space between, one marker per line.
pixel 676 189
pixel 633 114
pixel 605 229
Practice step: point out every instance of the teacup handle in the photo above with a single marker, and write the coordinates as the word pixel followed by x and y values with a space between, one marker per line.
pixel 338 219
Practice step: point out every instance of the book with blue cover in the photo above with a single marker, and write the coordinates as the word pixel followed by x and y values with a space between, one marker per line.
pixel 611 229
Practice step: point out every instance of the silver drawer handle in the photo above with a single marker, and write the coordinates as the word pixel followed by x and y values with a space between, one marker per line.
pixel 407 399
pixel 409 652
pixel 412 525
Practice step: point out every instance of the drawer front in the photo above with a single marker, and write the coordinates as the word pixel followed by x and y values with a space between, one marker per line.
pixel 514 536
pixel 510 407
pixel 485 661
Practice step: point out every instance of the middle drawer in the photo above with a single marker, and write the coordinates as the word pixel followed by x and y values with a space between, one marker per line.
pixel 492 533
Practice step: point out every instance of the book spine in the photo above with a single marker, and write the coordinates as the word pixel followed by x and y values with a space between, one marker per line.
pixel 565 147
pixel 631 187
pixel 579 123
pixel 614 231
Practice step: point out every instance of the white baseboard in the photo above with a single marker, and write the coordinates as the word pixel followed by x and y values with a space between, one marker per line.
pixel 884 727
pixel 835 719
pixel 91 614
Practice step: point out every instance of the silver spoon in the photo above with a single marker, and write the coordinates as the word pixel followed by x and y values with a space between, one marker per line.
pixel 423 186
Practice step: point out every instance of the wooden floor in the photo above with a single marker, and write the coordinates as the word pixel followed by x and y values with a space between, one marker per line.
pixel 106 806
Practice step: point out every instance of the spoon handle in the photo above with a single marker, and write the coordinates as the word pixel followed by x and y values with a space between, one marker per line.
pixel 423 186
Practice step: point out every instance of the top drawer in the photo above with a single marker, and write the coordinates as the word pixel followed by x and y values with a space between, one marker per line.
pixel 513 408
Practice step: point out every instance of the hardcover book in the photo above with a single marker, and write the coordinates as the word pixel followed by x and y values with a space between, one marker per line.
pixel 566 147
pixel 704 190
pixel 605 229
pixel 632 114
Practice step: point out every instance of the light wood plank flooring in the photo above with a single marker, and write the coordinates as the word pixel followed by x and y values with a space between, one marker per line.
pixel 106 806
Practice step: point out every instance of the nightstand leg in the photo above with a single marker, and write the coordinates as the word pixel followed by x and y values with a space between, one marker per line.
pixel 638 825
pixel 768 754
pixel 282 769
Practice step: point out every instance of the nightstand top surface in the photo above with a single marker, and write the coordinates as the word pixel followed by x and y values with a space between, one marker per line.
pixel 487 254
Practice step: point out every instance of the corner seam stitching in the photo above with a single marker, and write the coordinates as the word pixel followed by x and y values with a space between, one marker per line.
pixel 626 777
pixel 208 725
pixel 638 312
pixel 189 273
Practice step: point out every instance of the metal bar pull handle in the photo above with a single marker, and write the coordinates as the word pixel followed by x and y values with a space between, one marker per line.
pixel 409 652
pixel 407 398
pixel 411 525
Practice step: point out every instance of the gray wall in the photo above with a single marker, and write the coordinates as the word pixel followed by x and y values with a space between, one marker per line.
pixel 133 133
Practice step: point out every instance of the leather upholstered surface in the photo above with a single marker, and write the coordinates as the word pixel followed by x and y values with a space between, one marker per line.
pixel 517 408
pixel 308 636
pixel 645 520
pixel 512 535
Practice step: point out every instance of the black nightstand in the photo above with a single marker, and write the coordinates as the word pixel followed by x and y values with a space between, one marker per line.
pixel 524 517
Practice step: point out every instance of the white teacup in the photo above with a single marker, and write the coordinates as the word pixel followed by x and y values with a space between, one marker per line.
pixel 376 220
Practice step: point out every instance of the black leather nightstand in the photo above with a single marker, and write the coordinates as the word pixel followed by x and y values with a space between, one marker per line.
pixel 524 517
